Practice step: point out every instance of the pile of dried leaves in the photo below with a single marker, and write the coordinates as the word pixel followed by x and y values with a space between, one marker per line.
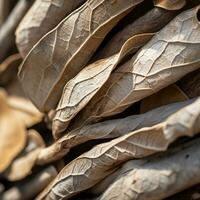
pixel 99 99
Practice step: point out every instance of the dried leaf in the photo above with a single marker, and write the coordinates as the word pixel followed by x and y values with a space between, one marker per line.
pixel 190 84
pixel 13 133
pixel 23 164
pixel 94 165
pixel 9 68
pixel 59 55
pixel 158 178
pixel 7 36
pixel 108 129
pixel 170 94
pixel 150 22
pixel 40 19
pixel 80 90
pixel 170 4
pixel 25 110
pixel 28 188
pixel 171 54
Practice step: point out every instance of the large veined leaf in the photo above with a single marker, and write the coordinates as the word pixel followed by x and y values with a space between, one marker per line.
pixel 158 178
pixel 107 129
pixel 94 165
pixel 64 51
pixel 80 90
pixel 41 18
pixel 169 55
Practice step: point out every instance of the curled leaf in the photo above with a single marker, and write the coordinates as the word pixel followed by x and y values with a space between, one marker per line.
pixel 40 19
pixel 157 178
pixel 59 55
pixel 168 56
pixel 80 90
pixel 23 164
pixel 107 129
pixel 13 133
pixel 170 4
pixel 94 165
pixel 150 22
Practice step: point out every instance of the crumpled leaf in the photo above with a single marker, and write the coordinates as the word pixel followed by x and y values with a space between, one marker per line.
pixel 23 164
pixel 41 18
pixel 80 90
pixel 63 52
pixel 9 68
pixel 170 4
pixel 170 54
pixel 170 94
pixel 12 134
pixel 29 188
pixel 94 165
pixel 25 110
pixel 107 129
pixel 157 178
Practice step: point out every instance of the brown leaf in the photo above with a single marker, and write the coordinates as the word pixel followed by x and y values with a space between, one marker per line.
pixel 80 90
pixel 94 165
pixel 7 36
pixel 8 69
pixel 107 129
pixel 59 55
pixel 28 188
pixel 170 94
pixel 151 22
pixel 25 110
pixel 151 69
pixel 170 4
pixel 157 178
pixel 23 164
pixel 40 19
pixel 13 133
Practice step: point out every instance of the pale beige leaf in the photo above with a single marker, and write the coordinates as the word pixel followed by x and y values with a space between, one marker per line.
pixel 108 129
pixel 80 90
pixel 25 110
pixel 12 135
pixel 170 54
pixel 23 164
pixel 40 19
pixel 170 4
pixel 94 165
pixel 157 178
pixel 63 52
pixel 29 188
pixel 170 94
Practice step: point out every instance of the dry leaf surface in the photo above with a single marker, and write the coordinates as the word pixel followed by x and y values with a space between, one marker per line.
pixel 80 90
pixel 170 54
pixel 94 165
pixel 40 19
pixel 157 178
pixel 108 129
pixel 59 56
